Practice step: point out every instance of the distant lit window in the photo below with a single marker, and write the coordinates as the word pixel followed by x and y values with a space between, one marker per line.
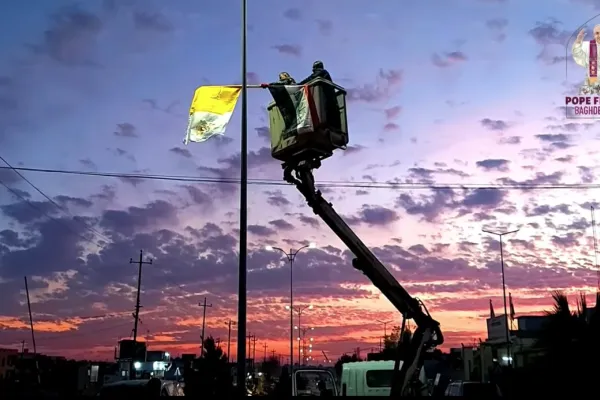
pixel 94 373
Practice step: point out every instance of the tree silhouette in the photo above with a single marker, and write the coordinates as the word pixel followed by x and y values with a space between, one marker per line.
pixel 390 348
pixel 270 366
pixel 210 374
pixel 568 349
pixel 391 340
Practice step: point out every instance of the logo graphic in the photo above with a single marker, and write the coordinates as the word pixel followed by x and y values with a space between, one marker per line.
pixel 585 55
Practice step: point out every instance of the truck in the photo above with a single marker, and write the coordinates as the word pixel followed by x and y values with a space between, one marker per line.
pixel 302 146
pixel 371 378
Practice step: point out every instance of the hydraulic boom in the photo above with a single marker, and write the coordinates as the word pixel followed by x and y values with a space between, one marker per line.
pixel 427 334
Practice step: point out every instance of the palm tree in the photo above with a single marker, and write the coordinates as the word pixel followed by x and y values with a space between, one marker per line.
pixel 569 344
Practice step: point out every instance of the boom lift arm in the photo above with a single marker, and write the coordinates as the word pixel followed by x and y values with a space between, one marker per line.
pixel 428 333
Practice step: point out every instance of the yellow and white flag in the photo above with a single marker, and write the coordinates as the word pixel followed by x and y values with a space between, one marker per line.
pixel 210 112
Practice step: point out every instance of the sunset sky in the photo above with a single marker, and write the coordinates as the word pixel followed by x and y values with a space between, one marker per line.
pixel 460 92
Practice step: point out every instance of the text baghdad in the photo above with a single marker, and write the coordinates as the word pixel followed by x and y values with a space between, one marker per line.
pixel 583 105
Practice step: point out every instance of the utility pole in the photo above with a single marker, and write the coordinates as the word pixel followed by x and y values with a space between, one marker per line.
pixel 37 369
pixel 22 355
pixel 203 305
pixel 30 318
pixel 254 347
pixel 250 337
pixel 140 262
pixel 265 355
pixel 273 353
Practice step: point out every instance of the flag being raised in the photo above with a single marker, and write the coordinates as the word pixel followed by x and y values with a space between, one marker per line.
pixel 210 112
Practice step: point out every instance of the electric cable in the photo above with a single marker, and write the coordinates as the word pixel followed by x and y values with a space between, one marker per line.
pixel 58 221
pixel 75 218
pixel 325 184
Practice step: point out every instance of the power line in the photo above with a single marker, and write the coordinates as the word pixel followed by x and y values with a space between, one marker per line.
pixel 17 194
pixel 75 218
pixel 25 200
pixel 323 184
pixel 33 206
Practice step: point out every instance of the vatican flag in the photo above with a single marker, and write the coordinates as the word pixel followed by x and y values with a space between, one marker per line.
pixel 210 112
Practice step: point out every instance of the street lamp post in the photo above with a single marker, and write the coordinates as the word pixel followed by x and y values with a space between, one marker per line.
pixel 291 257
pixel 229 340
pixel 302 356
pixel 385 324
pixel 500 235
pixel 243 243
pixel 299 310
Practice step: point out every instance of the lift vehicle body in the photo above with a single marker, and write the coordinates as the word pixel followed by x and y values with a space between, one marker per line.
pixel 323 131
pixel 427 334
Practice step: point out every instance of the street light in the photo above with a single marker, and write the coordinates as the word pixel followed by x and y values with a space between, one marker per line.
pixel 385 324
pixel 291 257
pixel 229 339
pixel 500 234
pixel 299 310
pixel 302 339
pixel 243 242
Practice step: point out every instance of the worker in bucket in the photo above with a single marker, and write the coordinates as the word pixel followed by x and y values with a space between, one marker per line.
pixel 332 109
pixel 283 99
pixel 284 79
pixel 318 71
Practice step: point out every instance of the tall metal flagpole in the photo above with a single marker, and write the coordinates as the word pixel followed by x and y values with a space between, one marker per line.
pixel 241 348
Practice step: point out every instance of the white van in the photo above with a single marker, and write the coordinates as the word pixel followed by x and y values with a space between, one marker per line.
pixel 370 378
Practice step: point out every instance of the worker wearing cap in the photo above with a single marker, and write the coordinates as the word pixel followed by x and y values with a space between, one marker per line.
pixel 318 71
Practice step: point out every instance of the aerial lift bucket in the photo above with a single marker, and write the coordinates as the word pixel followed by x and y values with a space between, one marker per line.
pixel 316 122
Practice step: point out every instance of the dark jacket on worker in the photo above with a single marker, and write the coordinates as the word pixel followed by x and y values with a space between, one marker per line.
pixel 284 101
pixel 331 107
pixel 318 71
